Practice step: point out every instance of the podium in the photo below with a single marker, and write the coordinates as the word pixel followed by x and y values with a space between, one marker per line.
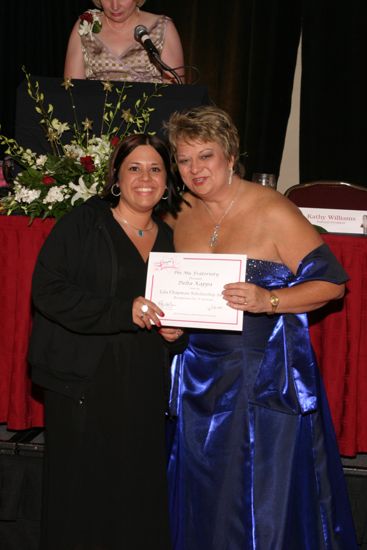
pixel 89 98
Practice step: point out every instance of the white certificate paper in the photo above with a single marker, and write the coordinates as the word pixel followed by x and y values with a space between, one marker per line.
pixel 188 288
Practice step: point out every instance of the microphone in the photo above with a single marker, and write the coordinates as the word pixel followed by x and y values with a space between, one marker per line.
pixel 141 35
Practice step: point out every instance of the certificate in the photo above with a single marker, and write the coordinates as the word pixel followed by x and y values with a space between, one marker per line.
pixel 188 288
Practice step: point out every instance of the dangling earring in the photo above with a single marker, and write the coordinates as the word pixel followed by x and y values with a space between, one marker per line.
pixel 230 176
pixel 113 190
pixel 164 198
pixel 182 190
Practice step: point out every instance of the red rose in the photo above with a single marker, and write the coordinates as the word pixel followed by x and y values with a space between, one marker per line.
pixel 86 16
pixel 115 141
pixel 87 163
pixel 47 180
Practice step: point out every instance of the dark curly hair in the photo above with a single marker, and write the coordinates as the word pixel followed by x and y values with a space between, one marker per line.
pixel 124 148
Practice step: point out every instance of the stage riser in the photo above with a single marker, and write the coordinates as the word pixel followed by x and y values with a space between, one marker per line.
pixel 21 482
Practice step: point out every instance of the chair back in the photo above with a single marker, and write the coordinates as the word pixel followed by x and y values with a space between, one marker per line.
pixel 328 194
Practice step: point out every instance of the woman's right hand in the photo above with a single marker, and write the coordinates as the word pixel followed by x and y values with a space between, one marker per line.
pixel 146 313
pixel 171 334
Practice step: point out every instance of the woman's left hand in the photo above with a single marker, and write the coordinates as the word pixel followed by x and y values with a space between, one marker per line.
pixel 247 297
pixel 170 334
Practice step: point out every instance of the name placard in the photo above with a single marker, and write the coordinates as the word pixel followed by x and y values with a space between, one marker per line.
pixel 337 220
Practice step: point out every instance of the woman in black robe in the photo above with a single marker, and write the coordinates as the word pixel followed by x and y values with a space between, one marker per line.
pixel 98 349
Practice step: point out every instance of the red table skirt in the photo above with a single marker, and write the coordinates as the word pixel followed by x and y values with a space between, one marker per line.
pixel 337 331
pixel 20 406
pixel 339 337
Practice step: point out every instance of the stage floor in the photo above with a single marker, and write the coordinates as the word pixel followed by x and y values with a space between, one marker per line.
pixel 21 460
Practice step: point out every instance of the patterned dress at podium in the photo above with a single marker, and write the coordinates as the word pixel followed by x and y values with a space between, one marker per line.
pixel 132 65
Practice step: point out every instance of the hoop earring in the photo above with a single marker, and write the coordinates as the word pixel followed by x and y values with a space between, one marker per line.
pixel 114 193
pixel 164 198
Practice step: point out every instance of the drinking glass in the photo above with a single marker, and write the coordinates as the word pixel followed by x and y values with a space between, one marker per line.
pixel 268 180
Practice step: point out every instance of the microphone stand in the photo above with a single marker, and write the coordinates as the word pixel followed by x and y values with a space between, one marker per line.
pixel 156 58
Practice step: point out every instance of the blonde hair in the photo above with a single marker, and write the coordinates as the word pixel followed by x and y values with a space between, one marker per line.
pixel 98 3
pixel 205 123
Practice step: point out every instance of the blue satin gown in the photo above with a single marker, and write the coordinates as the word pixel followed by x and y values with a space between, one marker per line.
pixel 254 462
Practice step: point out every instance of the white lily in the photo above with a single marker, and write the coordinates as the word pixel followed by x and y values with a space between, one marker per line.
pixel 82 191
pixel 84 28
pixel 41 160
pixel 59 127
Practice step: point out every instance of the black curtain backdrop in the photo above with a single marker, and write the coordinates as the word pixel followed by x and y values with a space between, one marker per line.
pixel 245 51
pixel 333 125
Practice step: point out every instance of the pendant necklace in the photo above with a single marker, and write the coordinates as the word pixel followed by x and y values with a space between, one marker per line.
pixel 140 231
pixel 215 234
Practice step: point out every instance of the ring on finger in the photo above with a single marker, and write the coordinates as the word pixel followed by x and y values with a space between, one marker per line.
pixel 144 308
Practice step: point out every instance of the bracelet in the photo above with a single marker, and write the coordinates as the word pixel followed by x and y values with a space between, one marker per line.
pixel 274 301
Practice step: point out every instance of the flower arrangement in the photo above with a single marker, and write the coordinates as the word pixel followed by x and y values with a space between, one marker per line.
pixel 51 184
pixel 89 22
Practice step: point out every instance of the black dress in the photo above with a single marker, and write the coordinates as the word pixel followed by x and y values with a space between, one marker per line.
pixel 106 488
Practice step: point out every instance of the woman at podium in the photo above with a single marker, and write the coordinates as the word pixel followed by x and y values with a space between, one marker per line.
pixel 105 45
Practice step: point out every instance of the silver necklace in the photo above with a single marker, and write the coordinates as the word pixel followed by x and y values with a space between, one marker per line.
pixel 139 230
pixel 215 234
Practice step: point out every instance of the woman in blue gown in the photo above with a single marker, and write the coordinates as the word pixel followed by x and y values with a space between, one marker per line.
pixel 254 462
